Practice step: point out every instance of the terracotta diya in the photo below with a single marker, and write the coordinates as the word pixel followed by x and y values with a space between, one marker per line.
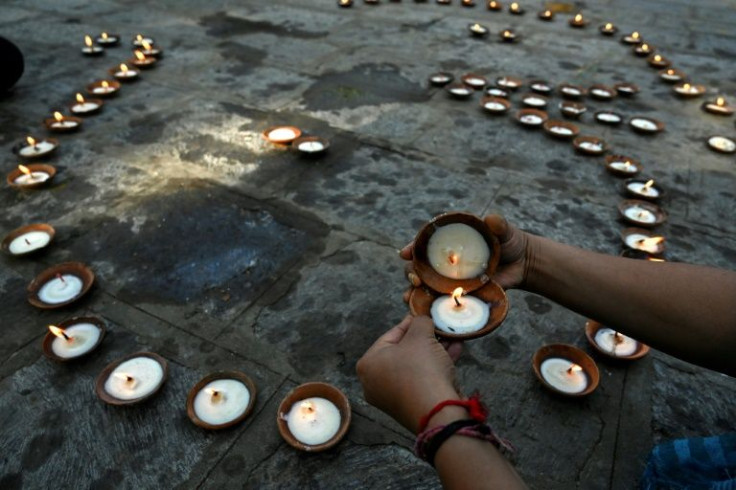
pixel 593 331
pixel 561 129
pixel 151 387
pixel 531 118
pixel 208 391
pixel 60 285
pixel 641 213
pixel 590 145
pixel 578 374
pixel 69 329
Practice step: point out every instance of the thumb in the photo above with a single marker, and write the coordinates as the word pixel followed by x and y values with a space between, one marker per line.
pixel 421 327
pixel 498 226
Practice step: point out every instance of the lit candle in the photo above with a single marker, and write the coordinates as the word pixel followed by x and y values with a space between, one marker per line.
pixel 477 30
pixel 671 75
pixel 578 21
pixel 640 214
pixel 507 35
pixel 494 5
pixel 643 49
pixel 313 421
pixel 76 340
pixel 60 289
pixel 222 401
pixel 345 3
pixel 62 123
pixel 564 375
pixel 516 9
pixel 652 245
pixel 546 15
pixel 458 251
pixel 103 88
pixel 139 39
pixel 124 72
pixel 624 166
pixel 35 148
pixel 615 343
pixel 645 189
pixel 141 60
pixel 456 314
pixel 90 49
pixel 719 107
pixel 633 38
pixel 83 106
pixel 107 39
pixel 608 29
pixel 29 177
pixel 28 242
pixel 134 378
pixel 149 50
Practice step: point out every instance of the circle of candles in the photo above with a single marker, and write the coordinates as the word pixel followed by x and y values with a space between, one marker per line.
pixel 516 9
pixel 509 83
pixel 646 125
pixel 103 88
pixel 718 106
pixel 572 110
pixel 643 49
pixel 641 213
pixel 90 49
pixel 139 39
pixel 459 90
pixel 60 285
pixel 62 124
pixel 570 91
pixel 643 240
pixel 540 87
pixel 643 189
pixel 609 117
pixel 221 400
pixel 73 338
pixel 31 176
pixel 546 15
pixel 455 250
pixel 28 239
pixel 459 315
pixel 33 148
pixel 612 343
pixel 626 89
pixel 531 118
pixel 132 379
pixel 622 166
pixel 671 75
pixel 561 129
pixel 508 36
pixel 84 106
pixel 658 61
pixel 440 79
pixel 474 81
pixel 494 5
pixel 601 92
pixel 282 135
pixel 566 370
pixel 578 21
pixel 142 61
pixel 722 144
pixel 497 92
pixel 688 90
pixel 495 105
pixel 124 73
pixel 310 145
pixel 107 39
pixel 590 145
pixel 477 30
pixel 534 100
pixel 608 29
pixel 313 417
pixel 423 301
pixel 633 38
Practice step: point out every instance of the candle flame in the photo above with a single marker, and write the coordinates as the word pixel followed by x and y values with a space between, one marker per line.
pixel 574 368
pixel 627 164
pixel 88 41
pixel 720 101
pixel 507 33
pixel 456 294
pixel 645 47
pixel 129 380
pixel 579 18
pixel 617 338
pixel 657 57
pixel 103 35
pixel 514 6
pixel 31 141
pixel 651 241
pixel 147 46
pixel 25 170
pixel 493 4
pixel 139 38
pixel 58 116
pixel 655 259
pixel 80 98
pixel 670 72
pixel 59 332
pixel 547 13
pixel 123 67
pixel 648 185
pixel 635 35
pixel 105 84
pixel 140 55
pixel 608 26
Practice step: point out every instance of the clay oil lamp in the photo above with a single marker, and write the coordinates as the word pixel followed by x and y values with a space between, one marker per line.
pixel 643 49
pixel 310 146
pixel 534 100
pixel 459 90
pixel 467 3
pixel 509 83
pixel 611 343
pixel 60 123
pixel 671 75
pixel 106 39
pixel 103 88
pixel 622 166
pixel 35 148
pixel 474 81
pixel 139 39
pixel 531 118
pixel 440 79
pixel 608 29
pixel 658 61
pixel 497 92
pixel 578 21
pixel 495 105
pixel 314 417
pixel 688 90
pixel 641 213
pixel 601 92
pixel 643 189
pixel 633 38
pixel 345 3
pixel 570 91
pixel 721 144
pixel 610 118
pixel 31 176
pixel 142 61
pixel 572 110
pixel 478 30
pixel 85 107
pixel 516 9
pixel 508 36
pixel 643 240
pixel 541 87
pixel 132 379
pixel 282 135
pixel 566 370
pixel 590 145
pixel 561 129
pixel 74 338
pixel 28 239
pixel 546 15
pixel 221 400
pixel 124 73
pixel 626 89
pixel 495 6
pixel 90 48
pixel 60 285
pixel 718 106
pixel 149 49
pixel 646 125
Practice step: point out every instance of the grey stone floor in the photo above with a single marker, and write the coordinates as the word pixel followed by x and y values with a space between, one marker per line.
pixel 219 250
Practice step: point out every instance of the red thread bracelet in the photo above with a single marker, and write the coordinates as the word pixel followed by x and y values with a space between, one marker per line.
pixel 474 406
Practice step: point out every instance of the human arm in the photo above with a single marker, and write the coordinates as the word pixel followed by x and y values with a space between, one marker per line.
pixel 405 373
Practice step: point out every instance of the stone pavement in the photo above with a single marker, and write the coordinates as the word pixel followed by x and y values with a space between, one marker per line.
pixel 218 250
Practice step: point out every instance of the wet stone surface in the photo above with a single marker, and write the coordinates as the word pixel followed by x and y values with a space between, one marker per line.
pixel 220 250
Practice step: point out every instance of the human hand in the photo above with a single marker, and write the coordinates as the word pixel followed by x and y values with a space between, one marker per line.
pixel 406 372
pixel 514 262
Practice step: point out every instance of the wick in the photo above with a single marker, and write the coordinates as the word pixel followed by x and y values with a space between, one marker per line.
pixel 60 277
pixel 66 337
pixel 27 242
pixel 457 302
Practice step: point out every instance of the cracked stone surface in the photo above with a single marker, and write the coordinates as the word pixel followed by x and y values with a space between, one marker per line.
pixel 219 250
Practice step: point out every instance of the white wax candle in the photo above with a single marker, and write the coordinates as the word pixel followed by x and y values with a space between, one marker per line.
pixel 624 166
pixel 103 90
pixel 535 101
pixel 644 124
pixel 608 117
pixel 63 124
pixel 570 91
pixel 671 76
pixel 126 74
pixel 541 87
pixel 458 251
pixel 221 401
pixel 590 146
pixel 28 242
pixel 82 338
pixel 531 119
pixel 91 49
pixel 497 92
pixel 460 90
pixel 639 242
pixel 560 130
pixel 40 147
pixel 33 178
pixel 313 421
pixel 601 93
pixel 722 143
pixel 571 109
pixel 475 82
pixel 60 289
pixel 505 82
pixel 85 107
pixel 642 215
pixel 494 106
pixel 471 316
pixel 440 78
pixel 134 378
pixel 282 134
pixel 557 372
pixel 311 146
pixel 641 188
pixel 615 343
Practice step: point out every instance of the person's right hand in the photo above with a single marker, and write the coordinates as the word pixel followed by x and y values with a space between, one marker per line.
pixel 516 255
